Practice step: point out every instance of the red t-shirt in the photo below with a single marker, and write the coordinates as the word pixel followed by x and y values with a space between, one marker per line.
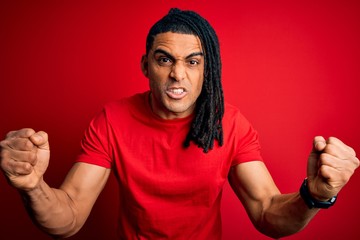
pixel 166 191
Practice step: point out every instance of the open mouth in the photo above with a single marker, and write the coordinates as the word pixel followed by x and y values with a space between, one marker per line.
pixel 176 93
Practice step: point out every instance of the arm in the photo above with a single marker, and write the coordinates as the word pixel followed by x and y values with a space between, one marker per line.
pixel 273 214
pixel 330 166
pixel 61 212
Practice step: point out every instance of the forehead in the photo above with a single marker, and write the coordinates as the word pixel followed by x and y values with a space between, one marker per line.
pixel 177 43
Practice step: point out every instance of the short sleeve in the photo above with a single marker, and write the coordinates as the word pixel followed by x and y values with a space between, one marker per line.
pixel 247 142
pixel 95 146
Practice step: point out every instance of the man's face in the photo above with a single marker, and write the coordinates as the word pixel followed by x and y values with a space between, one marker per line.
pixel 175 69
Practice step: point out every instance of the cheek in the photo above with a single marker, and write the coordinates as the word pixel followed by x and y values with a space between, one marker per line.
pixel 154 85
pixel 154 78
pixel 199 84
pixel 157 85
pixel 158 75
pixel 199 78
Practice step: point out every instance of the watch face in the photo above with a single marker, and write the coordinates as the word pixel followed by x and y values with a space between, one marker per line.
pixel 332 200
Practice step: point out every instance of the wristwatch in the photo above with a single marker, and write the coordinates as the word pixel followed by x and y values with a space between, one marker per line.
pixel 310 201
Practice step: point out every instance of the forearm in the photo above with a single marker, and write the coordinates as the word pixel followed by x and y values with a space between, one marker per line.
pixel 52 210
pixel 286 214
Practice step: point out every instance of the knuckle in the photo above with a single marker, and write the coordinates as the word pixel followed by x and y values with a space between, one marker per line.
pixel 26 168
pixel 21 168
pixel 322 171
pixel 28 131
pixel 352 151
pixel 24 132
pixel 356 162
pixel 3 144
pixel 7 166
pixel 32 158
pixel 345 176
pixel 10 134
pixel 3 163
pixel 4 153
pixel 4 156
pixel 28 145
pixel 332 140
pixel 331 149
pixel 324 158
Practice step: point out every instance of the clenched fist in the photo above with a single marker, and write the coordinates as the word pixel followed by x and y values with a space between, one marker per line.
pixel 330 166
pixel 25 157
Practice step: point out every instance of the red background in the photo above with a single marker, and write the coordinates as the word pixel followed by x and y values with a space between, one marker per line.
pixel 292 69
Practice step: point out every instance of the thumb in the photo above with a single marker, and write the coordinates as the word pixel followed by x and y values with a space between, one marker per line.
pixel 40 139
pixel 319 145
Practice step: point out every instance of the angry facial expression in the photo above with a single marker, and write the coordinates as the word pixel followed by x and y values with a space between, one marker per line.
pixel 175 69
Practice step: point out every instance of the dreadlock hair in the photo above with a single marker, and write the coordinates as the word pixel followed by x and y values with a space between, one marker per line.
pixel 207 124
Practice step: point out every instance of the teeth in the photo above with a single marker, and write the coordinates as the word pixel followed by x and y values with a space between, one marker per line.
pixel 177 90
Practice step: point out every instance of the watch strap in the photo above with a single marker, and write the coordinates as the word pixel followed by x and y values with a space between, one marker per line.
pixel 310 201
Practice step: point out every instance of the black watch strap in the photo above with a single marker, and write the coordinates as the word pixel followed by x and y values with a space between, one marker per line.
pixel 310 201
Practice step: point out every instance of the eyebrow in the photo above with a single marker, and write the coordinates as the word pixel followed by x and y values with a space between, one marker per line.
pixel 161 51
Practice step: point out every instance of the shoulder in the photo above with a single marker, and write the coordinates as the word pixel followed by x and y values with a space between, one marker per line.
pixel 127 109
pixel 231 109
pixel 240 135
pixel 136 100
pixel 235 123
pixel 134 104
pixel 233 114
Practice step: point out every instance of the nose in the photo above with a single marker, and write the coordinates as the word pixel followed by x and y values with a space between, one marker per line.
pixel 178 71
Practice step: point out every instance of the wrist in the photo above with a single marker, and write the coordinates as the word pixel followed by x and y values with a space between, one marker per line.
pixel 310 201
pixel 33 188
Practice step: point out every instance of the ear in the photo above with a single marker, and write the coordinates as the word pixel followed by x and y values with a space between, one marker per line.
pixel 144 65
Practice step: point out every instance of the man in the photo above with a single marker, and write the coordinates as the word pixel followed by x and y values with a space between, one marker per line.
pixel 172 149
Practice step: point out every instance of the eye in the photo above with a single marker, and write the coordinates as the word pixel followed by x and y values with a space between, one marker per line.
pixel 164 61
pixel 193 62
